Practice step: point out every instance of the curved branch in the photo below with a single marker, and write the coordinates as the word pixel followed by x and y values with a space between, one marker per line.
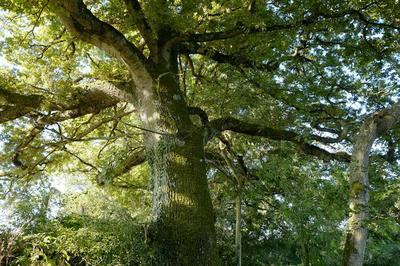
pixel 80 21
pixel 240 29
pixel 14 105
pixel 88 97
pixel 119 168
pixel 232 59
pixel 232 33
pixel 200 113
pixel 235 125
pixel 143 25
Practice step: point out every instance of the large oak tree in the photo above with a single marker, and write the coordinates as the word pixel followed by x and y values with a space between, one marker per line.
pixel 171 65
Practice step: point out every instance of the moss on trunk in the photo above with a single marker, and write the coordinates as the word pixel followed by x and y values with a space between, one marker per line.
pixel 182 227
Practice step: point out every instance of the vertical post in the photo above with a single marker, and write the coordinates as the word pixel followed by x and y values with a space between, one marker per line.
pixel 238 232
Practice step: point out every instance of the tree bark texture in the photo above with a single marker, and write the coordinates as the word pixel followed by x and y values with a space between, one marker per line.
pixel 356 236
pixel 182 215
pixel 182 228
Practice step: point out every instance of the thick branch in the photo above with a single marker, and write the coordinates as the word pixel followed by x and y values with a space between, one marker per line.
pixel 83 24
pixel 234 60
pixel 239 29
pixel 231 33
pixel 238 126
pixel 14 105
pixel 89 98
pixel 107 91
pixel 120 168
pixel 141 22
pixel 19 99
pixel 200 113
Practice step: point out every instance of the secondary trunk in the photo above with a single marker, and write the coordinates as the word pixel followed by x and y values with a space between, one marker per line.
pixel 306 253
pixel 238 232
pixel 356 236
pixel 225 151
pixel 357 228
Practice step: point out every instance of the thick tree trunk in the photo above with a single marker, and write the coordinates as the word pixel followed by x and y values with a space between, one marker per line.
pixel 183 219
pixel 182 228
pixel 356 236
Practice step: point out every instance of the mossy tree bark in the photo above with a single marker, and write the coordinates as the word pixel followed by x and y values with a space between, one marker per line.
pixel 182 218
pixel 182 221
pixel 356 236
